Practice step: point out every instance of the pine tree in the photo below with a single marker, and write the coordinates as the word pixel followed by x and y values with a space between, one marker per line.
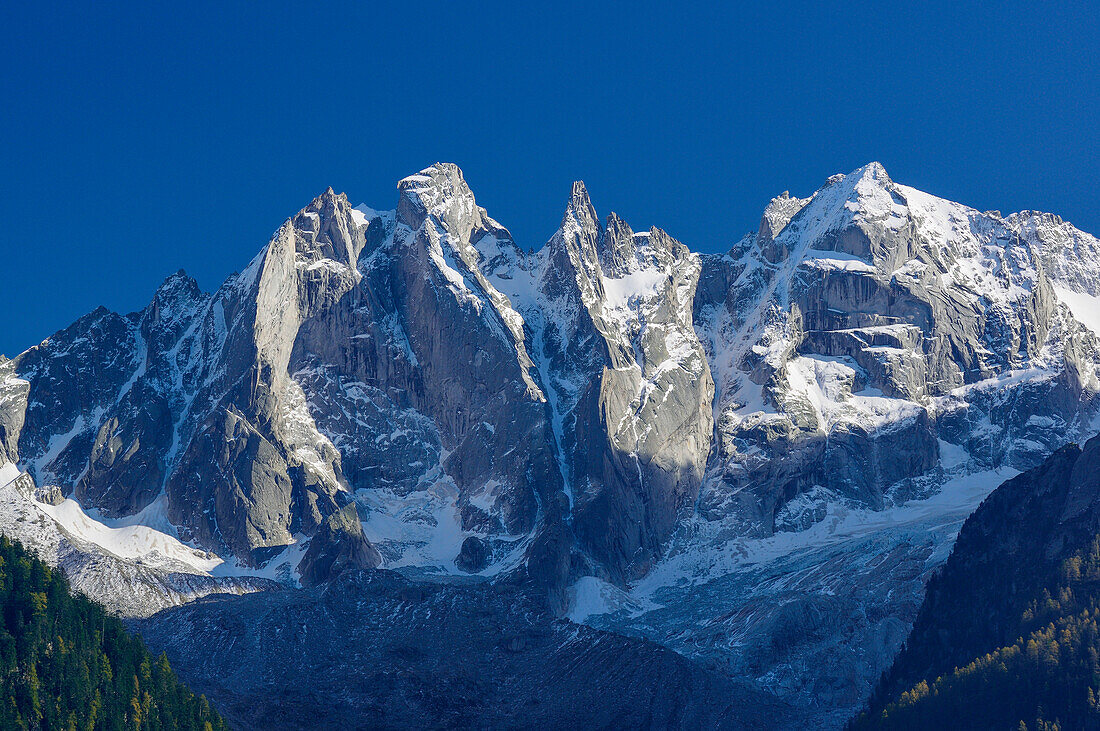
pixel 66 664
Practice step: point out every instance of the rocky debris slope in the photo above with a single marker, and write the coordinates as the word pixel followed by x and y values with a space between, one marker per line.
pixel 373 650
pixel 814 616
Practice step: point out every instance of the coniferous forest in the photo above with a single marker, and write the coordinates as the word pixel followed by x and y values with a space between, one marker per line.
pixel 67 664
pixel 1047 679
pixel 1009 633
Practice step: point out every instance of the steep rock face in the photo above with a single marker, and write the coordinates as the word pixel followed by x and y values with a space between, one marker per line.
pixel 642 461
pixel 628 381
pixel 276 475
pixel 536 383
pixel 64 386
pixel 192 396
pixel 337 547
pixel 421 377
pixel 860 327
pixel 13 408
pixel 249 484
pixel 1066 252
pixel 454 316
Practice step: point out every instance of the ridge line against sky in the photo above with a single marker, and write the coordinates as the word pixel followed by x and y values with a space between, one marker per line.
pixel 142 139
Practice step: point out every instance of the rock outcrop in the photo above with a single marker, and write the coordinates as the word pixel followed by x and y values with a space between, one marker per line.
pixel 338 546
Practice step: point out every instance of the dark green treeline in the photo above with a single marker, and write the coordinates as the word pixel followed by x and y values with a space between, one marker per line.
pixel 67 664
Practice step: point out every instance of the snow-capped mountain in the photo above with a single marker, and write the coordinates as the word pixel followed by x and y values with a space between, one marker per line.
pixel 866 331
pixel 661 441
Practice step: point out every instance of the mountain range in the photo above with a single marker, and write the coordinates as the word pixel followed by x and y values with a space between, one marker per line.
pixel 743 466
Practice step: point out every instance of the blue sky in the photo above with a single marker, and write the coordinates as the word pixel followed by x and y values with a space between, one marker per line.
pixel 144 138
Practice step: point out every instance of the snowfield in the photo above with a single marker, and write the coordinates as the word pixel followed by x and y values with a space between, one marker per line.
pixel 131 541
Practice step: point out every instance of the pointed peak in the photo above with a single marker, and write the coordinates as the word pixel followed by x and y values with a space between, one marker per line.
pixel 616 223
pixel 659 235
pixel 574 243
pixel 321 211
pixel 176 291
pixel 177 281
pixel 438 190
pixel 777 215
pixel 328 195
pixel 867 188
pixel 871 172
pixel 616 246
pixel 617 232
pixel 326 228
pixel 579 208
pixel 579 201
pixel 873 169
pixel 436 173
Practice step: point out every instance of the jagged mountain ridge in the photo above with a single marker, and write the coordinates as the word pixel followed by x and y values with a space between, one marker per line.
pixel 574 409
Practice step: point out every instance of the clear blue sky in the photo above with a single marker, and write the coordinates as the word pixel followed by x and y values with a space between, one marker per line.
pixel 143 138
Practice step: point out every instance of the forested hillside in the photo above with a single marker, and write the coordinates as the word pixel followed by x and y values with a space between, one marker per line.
pixel 66 664
pixel 1008 635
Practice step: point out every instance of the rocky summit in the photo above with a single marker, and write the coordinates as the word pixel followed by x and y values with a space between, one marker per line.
pixel 739 467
